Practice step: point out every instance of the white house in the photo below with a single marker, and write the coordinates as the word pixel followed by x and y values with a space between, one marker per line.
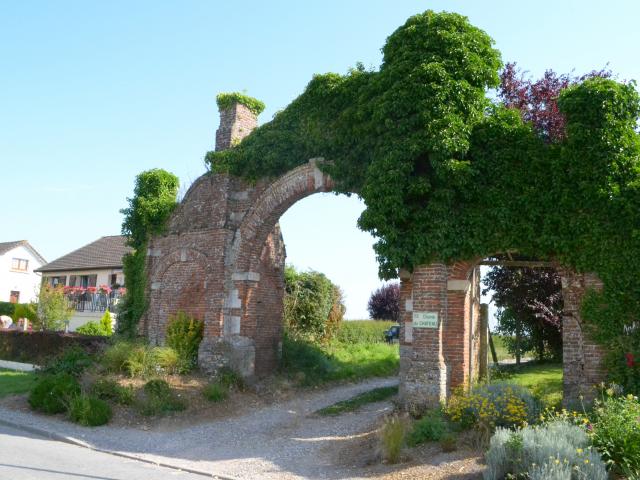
pixel 19 278
pixel 92 276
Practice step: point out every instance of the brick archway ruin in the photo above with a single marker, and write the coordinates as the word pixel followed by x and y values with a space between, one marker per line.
pixel 221 259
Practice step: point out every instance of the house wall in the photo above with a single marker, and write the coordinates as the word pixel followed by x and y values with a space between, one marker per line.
pixel 27 283
pixel 103 276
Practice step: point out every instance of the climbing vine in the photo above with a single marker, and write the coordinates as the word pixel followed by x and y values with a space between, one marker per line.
pixel 154 198
pixel 446 174
pixel 226 100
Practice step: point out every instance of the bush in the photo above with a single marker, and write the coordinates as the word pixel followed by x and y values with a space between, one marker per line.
pixel 106 389
pixel 89 411
pixel 7 308
pixel 25 310
pixel 556 450
pixel 114 358
pixel 73 361
pixel 616 433
pixel 362 331
pixel 184 335
pixel 216 392
pixel 53 308
pixel 432 427
pixel 312 305
pixel 495 405
pixel 230 379
pixel 392 438
pixel 139 359
pixel 384 303
pixel 51 393
pixel 102 329
pixel 159 398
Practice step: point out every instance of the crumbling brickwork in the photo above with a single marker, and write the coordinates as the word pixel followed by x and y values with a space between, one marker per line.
pixel 222 258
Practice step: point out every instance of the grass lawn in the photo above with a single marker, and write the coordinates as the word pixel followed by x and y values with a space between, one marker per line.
pixel 358 351
pixel 375 395
pixel 12 382
pixel 543 379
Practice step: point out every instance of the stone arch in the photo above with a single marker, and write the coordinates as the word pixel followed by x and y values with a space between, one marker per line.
pixel 255 288
pixel 179 284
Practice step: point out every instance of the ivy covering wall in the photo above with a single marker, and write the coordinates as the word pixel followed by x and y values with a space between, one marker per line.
pixel 154 198
pixel 446 174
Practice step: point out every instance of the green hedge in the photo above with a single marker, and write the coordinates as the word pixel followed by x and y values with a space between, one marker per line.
pixel 37 347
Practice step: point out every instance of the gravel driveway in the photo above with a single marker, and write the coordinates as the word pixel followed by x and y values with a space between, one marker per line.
pixel 283 441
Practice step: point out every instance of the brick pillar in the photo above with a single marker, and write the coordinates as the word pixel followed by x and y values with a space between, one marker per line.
pixel 582 357
pixel 236 122
pixel 423 374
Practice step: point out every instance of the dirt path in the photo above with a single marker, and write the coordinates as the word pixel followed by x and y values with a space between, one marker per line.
pixel 280 441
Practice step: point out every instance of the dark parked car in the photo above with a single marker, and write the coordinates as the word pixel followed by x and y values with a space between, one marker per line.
pixel 392 334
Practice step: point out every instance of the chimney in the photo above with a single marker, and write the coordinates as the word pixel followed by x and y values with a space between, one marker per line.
pixel 238 117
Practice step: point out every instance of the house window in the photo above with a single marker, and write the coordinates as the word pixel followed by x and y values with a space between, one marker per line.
pixel 14 297
pixel 19 264
pixel 114 279
pixel 55 281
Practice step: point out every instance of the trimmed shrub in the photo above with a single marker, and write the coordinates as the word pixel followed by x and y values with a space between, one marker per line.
pixel 543 452
pixel 159 398
pixel 38 347
pixel 184 335
pixel 432 427
pixel 392 438
pixel 73 361
pixel 89 411
pixel 51 393
pixel 106 389
pixel 216 392
pixel 384 303
pixel 616 433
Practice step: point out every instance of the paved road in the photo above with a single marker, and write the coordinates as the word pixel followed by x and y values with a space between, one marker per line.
pixel 24 456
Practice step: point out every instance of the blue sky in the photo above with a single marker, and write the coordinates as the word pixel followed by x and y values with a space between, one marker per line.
pixel 92 93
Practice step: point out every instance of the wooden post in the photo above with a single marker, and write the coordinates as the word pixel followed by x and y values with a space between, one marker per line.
pixel 484 341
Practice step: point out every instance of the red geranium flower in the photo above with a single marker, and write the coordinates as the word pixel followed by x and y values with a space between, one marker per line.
pixel 630 360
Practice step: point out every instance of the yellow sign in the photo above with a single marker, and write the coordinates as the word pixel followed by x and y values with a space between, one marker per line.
pixel 425 319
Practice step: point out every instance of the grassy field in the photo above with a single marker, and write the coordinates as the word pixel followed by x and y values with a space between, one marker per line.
pixel 12 382
pixel 357 351
pixel 543 379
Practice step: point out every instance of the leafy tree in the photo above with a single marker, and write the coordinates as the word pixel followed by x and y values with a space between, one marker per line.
pixel 53 309
pixel 530 303
pixel 384 303
pixel 153 201
pixel 313 305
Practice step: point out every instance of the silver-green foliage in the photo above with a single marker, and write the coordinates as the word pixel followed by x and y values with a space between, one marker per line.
pixel 557 450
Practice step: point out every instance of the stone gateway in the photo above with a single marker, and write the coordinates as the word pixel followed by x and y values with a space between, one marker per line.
pixel 221 259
